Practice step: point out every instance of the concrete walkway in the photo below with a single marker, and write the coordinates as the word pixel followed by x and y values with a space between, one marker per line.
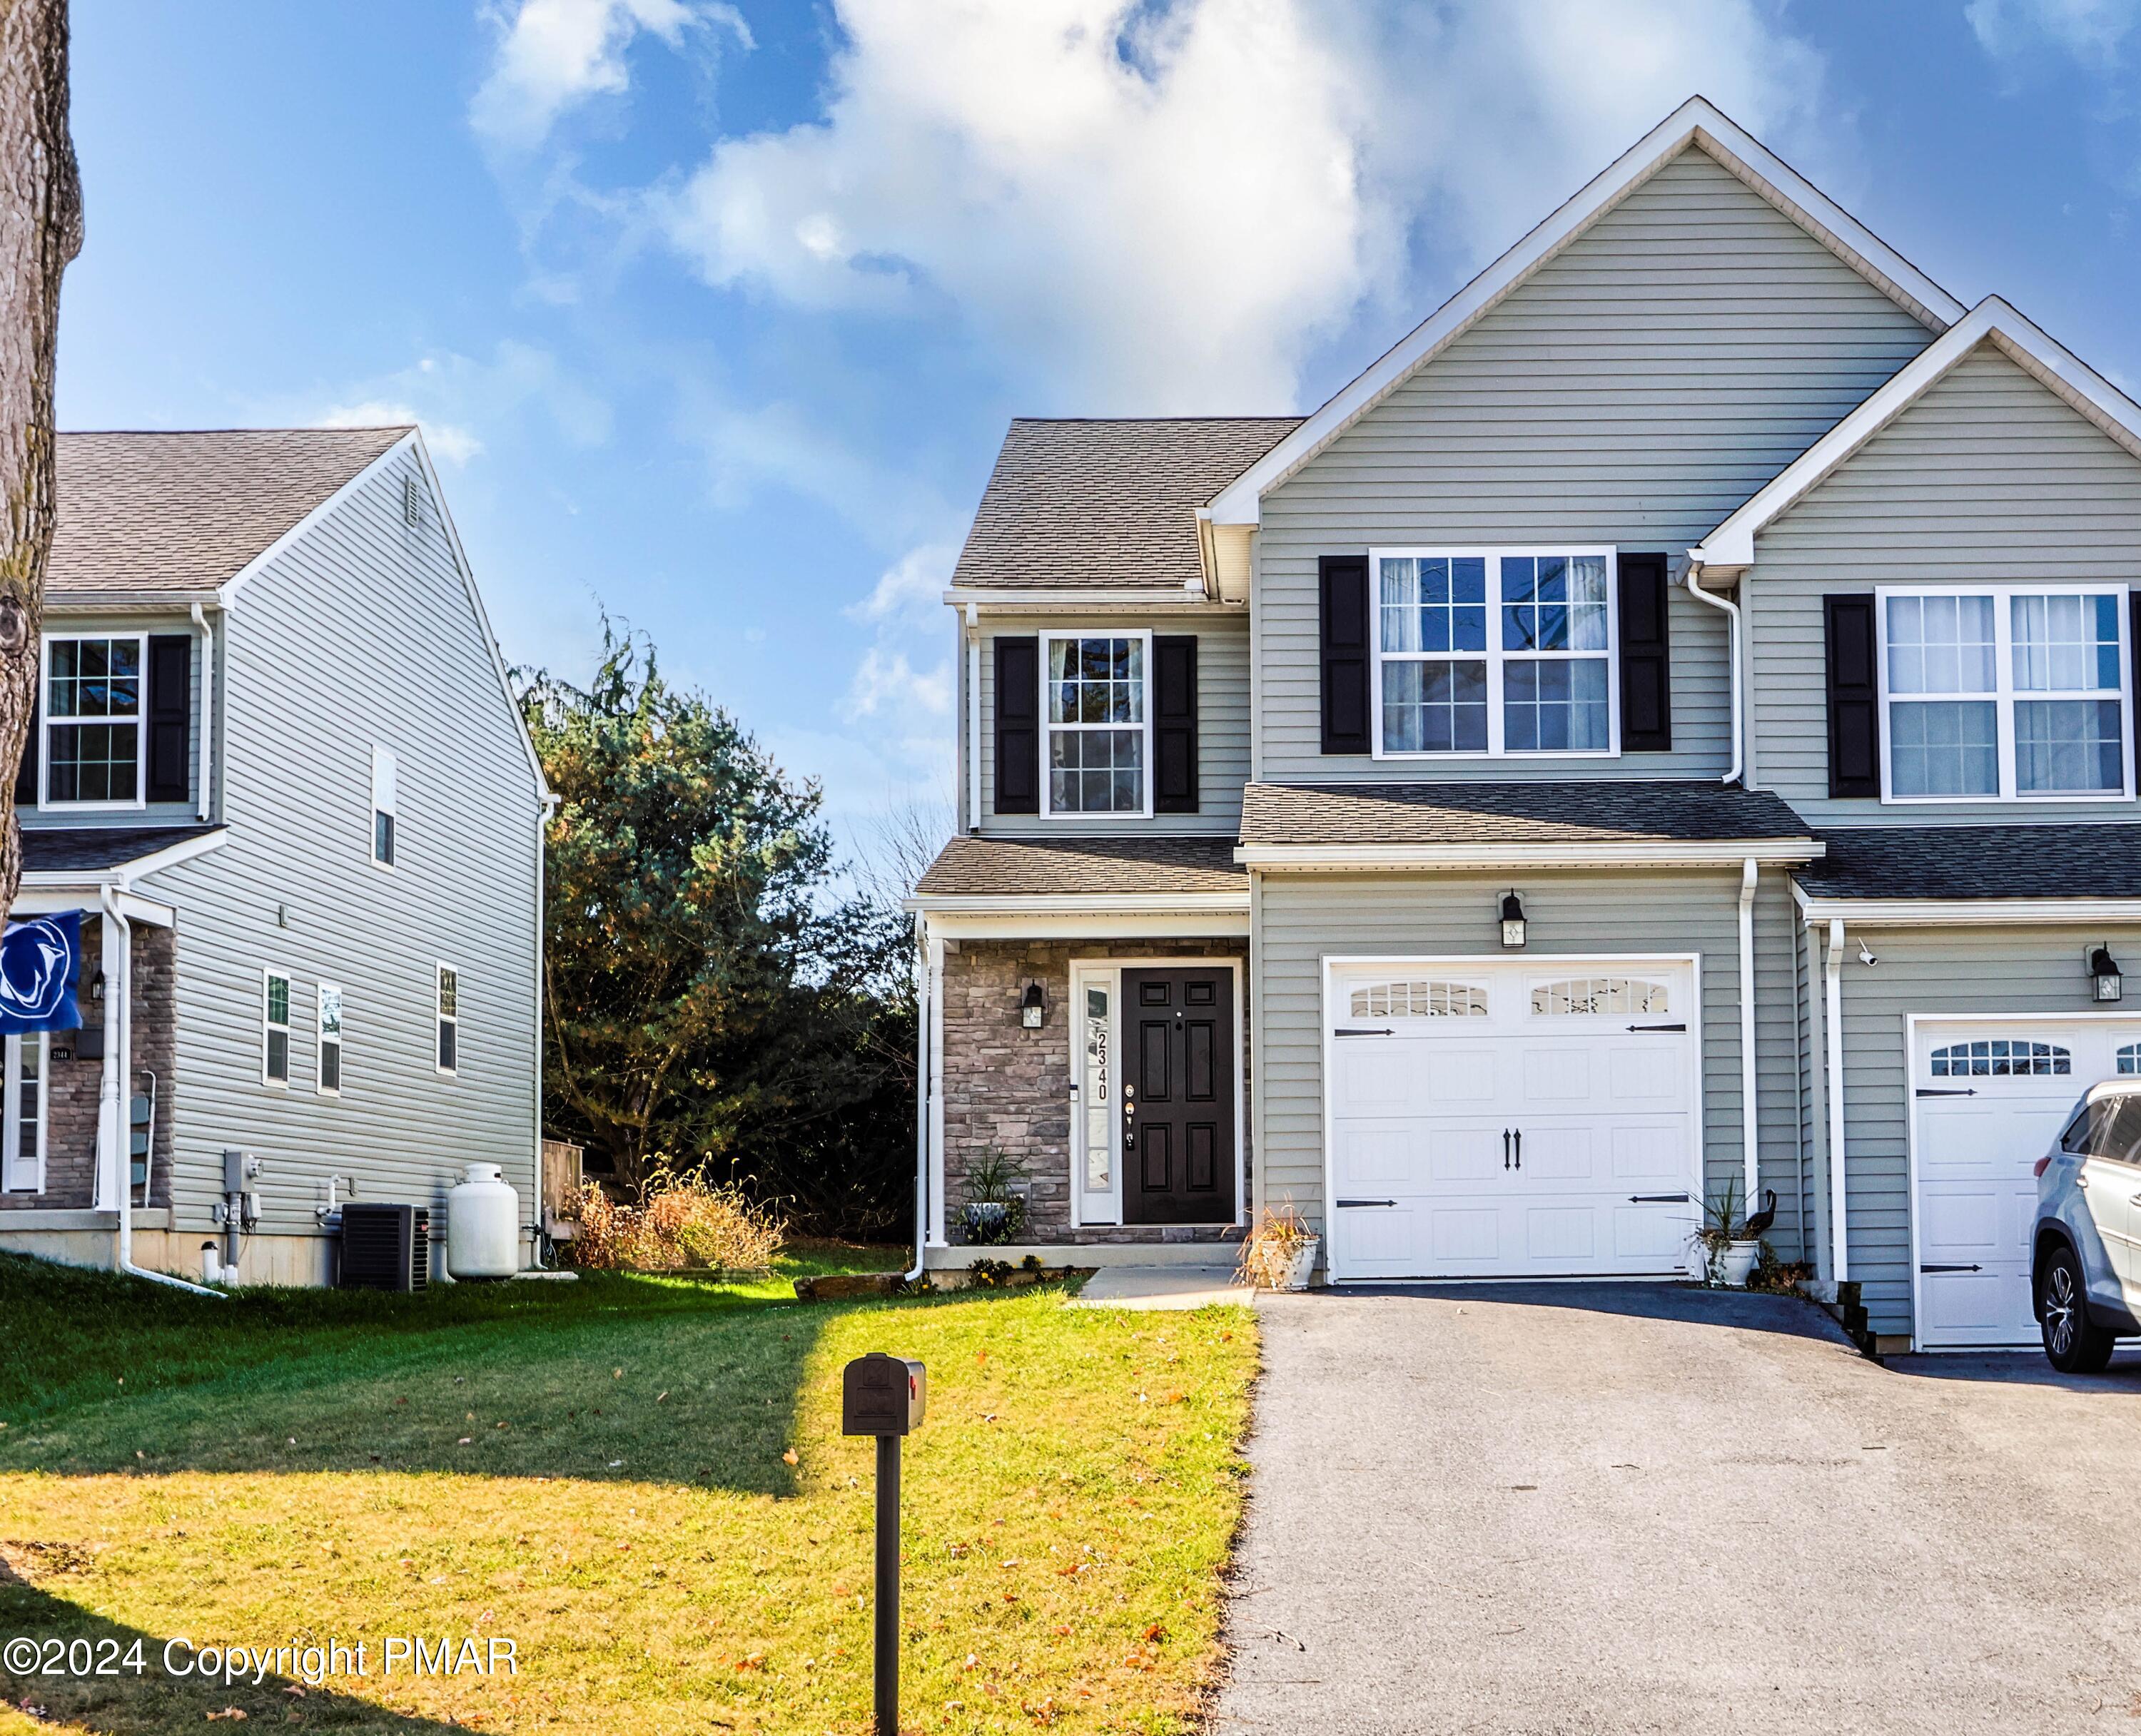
pixel 1161 1287
pixel 1565 1509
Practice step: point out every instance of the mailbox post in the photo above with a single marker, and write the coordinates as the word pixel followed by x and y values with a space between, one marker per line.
pixel 884 1396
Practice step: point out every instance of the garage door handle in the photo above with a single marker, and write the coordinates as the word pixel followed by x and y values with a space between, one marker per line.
pixel 1385 1032
pixel 1936 1091
pixel 1657 1199
pixel 1343 1203
pixel 1951 1268
pixel 1658 1027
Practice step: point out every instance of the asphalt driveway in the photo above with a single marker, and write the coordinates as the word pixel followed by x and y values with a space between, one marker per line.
pixel 1601 1507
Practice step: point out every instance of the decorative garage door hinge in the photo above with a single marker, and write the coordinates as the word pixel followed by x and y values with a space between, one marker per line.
pixel 1939 1091
pixel 1658 1027
pixel 1951 1268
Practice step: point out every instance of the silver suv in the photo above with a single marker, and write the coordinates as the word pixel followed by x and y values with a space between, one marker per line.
pixel 2085 1268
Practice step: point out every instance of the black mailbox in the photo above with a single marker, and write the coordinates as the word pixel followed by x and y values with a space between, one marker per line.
pixel 881 1395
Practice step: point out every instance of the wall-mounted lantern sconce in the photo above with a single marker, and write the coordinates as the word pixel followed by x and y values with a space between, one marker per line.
pixel 2109 981
pixel 1513 920
pixel 1032 1007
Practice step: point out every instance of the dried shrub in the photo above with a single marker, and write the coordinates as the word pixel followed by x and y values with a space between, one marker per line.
pixel 1267 1254
pixel 684 1225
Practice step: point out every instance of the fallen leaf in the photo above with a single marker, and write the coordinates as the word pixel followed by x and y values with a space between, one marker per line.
pixel 659 1397
pixel 237 1713
pixel 617 1373
pixel 790 1457
pixel 464 1440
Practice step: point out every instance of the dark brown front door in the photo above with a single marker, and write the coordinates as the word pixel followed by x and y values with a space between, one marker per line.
pixel 1178 1095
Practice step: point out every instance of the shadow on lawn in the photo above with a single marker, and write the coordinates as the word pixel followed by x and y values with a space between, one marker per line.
pixel 151 1702
pixel 705 1398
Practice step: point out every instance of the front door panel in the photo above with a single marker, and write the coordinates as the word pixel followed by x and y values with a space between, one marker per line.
pixel 1178 1106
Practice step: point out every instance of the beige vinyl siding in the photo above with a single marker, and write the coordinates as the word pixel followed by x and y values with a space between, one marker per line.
pixel 1639 386
pixel 1988 478
pixel 1222 724
pixel 1930 971
pixel 57 624
pixel 361 632
pixel 1302 919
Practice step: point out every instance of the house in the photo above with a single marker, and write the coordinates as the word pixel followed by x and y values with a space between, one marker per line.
pixel 1666 727
pixel 277 768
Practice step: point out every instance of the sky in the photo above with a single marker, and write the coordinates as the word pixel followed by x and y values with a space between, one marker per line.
pixel 713 312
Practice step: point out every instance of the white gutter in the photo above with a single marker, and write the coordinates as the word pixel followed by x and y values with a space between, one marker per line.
pixel 1840 1253
pixel 205 806
pixel 1732 644
pixel 972 635
pixel 1081 599
pixel 936 1085
pixel 1750 1125
pixel 117 1078
pixel 1967 912
pixel 921 1096
pixel 1607 852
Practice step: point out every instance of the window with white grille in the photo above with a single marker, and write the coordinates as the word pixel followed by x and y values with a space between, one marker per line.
pixel 2002 1058
pixel 1419 999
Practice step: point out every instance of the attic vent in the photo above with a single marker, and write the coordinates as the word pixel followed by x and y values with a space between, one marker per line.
pixel 412 504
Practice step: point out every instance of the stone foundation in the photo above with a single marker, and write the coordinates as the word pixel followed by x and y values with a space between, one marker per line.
pixel 1008 1087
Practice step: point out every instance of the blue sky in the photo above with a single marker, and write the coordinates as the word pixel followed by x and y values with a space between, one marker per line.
pixel 714 313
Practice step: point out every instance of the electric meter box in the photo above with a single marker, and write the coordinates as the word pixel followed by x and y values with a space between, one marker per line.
pixel 882 1394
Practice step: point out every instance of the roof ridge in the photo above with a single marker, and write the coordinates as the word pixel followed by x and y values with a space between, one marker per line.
pixel 294 428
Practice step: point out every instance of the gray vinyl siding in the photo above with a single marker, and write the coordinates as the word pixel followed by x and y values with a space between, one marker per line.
pixel 361 632
pixel 1301 919
pixel 1989 477
pixel 1929 972
pixel 1223 724
pixel 59 625
pixel 1639 386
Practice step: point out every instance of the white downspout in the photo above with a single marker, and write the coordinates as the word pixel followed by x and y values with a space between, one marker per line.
pixel 1732 642
pixel 1840 1251
pixel 206 805
pixel 922 1094
pixel 1750 1124
pixel 118 1073
pixel 972 634
pixel 936 1187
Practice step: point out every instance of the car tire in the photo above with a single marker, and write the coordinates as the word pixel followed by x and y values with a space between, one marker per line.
pixel 2074 1343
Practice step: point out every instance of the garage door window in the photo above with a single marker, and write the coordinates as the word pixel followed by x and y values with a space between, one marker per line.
pixel 2002 1058
pixel 1584 996
pixel 1419 999
pixel 2130 1058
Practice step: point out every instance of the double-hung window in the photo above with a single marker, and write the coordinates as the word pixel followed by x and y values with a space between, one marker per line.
pixel 450 1020
pixel 92 720
pixel 2005 693
pixel 1099 719
pixel 383 778
pixel 1494 651
pixel 330 1073
pixel 274 1027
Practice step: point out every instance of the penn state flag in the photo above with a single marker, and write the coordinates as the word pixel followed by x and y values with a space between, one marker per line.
pixel 40 963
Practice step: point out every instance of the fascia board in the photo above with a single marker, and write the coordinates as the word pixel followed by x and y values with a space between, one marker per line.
pixel 1171 599
pixel 1706 853
pixel 1075 903
pixel 1965 913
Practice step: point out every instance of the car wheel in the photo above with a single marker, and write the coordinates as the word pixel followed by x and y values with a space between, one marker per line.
pixel 2074 1344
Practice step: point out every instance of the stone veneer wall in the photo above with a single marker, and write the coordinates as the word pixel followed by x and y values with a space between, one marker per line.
pixel 1009 1087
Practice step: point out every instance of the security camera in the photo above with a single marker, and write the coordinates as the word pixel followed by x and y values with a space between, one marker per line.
pixel 1865 955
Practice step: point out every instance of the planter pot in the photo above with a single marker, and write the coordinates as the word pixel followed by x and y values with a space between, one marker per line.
pixel 986 1219
pixel 1304 1263
pixel 1732 1267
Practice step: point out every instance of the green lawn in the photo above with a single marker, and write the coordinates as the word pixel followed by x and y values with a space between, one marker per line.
pixel 639 1482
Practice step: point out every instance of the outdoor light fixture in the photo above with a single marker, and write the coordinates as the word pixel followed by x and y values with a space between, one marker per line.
pixel 1513 920
pixel 2110 981
pixel 1032 1006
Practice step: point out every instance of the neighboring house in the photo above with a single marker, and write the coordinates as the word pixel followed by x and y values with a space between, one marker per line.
pixel 275 744
pixel 1702 585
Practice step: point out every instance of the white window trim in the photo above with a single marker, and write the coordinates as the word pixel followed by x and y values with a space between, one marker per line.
pixel 440 1016
pixel 290 984
pixel 322 1043
pixel 1049 810
pixel 392 809
pixel 46 724
pixel 11 1104
pixel 1494 654
pixel 2005 693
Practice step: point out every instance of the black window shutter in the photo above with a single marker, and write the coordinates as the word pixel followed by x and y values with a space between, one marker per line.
pixel 1854 699
pixel 1343 636
pixel 171 717
pixel 1018 725
pixel 1175 723
pixel 26 773
pixel 1646 656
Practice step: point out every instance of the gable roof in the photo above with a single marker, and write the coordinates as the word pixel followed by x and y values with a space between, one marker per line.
pixel 182 512
pixel 1083 503
pixel 1730 548
pixel 1696 123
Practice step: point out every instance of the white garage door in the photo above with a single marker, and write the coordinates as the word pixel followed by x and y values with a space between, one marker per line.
pixel 1521 1119
pixel 1988 1096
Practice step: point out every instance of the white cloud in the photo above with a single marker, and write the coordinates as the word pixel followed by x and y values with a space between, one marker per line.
pixel 1157 208
pixel 454 397
pixel 554 55
pixel 448 442
pixel 911 591
pixel 2091 31
pixel 886 685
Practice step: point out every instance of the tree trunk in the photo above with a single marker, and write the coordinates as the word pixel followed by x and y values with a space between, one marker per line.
pixel 39 232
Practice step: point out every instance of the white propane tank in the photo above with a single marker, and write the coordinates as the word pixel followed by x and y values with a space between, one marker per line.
pixel 483 1225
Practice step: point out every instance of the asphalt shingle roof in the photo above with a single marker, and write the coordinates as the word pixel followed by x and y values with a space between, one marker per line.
pixel 970 866
pixel 183 512
pixel 2101 861
pixel 1077 503
pixel 91 849
pixel 1598 811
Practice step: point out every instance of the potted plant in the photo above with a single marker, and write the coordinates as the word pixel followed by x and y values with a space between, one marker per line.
pixel 1729 1250
pixel 1280 1252
pixel 994 1212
